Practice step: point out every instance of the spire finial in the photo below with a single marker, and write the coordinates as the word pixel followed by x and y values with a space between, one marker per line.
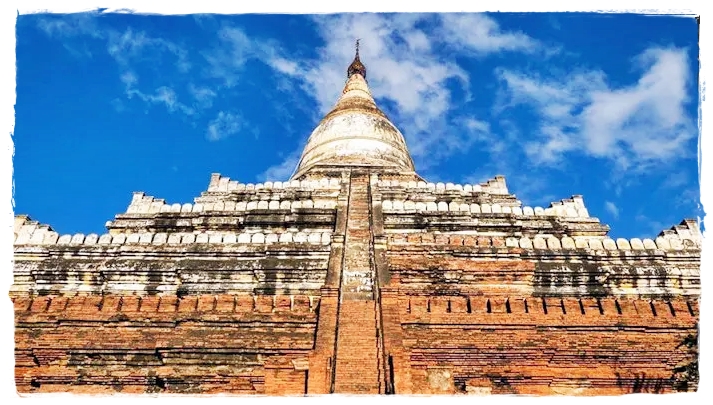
pixel 356 66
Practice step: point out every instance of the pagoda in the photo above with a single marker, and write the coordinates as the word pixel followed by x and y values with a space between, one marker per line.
pixel 355 276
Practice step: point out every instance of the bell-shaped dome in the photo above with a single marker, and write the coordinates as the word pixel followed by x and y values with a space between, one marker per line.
pixel 355 132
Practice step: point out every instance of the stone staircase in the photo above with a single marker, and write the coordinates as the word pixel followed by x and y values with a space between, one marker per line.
pixel 357 361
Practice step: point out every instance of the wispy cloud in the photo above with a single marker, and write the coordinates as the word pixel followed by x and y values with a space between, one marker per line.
pixel 611 208
pixel 481 34
pixel 635 126
pixel 283 170
pixel 224 125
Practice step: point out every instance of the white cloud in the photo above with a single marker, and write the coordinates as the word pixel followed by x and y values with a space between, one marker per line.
pixel 162 95
pixel 634 126
pixel 612 209
pixel 129 45
pixel 482 34
pixel 283 170
pixel 224 125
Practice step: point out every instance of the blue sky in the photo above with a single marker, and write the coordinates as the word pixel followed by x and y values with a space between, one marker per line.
pixel 603 105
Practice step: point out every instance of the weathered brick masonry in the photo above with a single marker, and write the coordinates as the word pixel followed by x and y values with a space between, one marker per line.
pixel 356 276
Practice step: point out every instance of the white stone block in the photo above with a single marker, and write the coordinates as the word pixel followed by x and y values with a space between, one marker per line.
pixel 507 210
pixel 145 238
pixel 623 244
pixel 155 207
pixel 497 209
pixel 475 208
pixel 334 183
pixel 241 187
pixel 553 243
pixel 300 237
pixel 258 238
pixel 215 238
pixel 241 206
pixel 244 238
pixel 440 187
pixel 119 239
pixel 431 206
pixel 464 207
pixel 517 210
pixel 468 188
pixel 277 185
pixel 595 244
pixel 387 205
pixel 229 206
pixel 198 207
pixel 188 238
pixel 458 187
pixel 582 213
pixel 422 184
pixel 512 242
pixel 409 206
pixel 453 206
pixel 528 211
pixel 219 206
pixel 133 238
pixel 525 242
pixel 412 184
pixel 431 186
pixel 539 211
pixel 187 207
pixel 581 244
pixel 176 207
pixel 268 185
pixel 286 237
pixel 549 211
pixel 442 206
pixel 539 243
pixel 314 237
pixel 307 204
pixel 649 244
pixel 174 238
pixel 486 208
pixel 326 238
pixel 250 187
pixel 663 243
pixel 609 244
pixel 477 188
pixel 398 205
pixel 105 239
pixel 637 244
pixel 571 212
pixel 262 205
pixel 676 243
pixel 285 205
pixel 252 205
pixel 161 238
pixel 230 237
pixel 568 243
pixel 77 239
pixel 232 185
pixel 296 204
pixel 274 205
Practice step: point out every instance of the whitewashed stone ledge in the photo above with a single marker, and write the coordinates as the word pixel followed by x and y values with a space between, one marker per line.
pixel 671 243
